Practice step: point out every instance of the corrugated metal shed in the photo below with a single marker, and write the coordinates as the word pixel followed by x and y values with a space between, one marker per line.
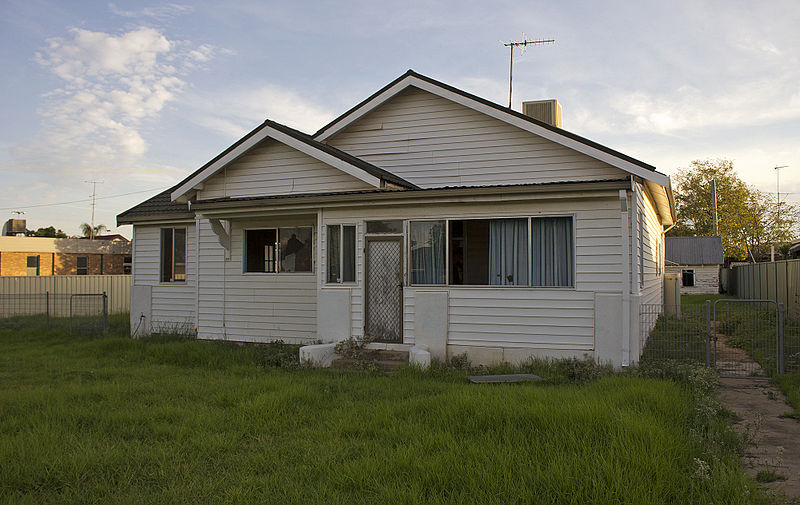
pixel 693 251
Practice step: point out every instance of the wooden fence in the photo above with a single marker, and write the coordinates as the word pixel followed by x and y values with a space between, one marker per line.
pixel 116 287
pixel 778 280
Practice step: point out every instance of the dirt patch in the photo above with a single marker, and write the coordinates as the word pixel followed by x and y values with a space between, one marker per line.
pixel 773 441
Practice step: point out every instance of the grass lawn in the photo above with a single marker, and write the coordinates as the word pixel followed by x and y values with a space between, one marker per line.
pixel 116 420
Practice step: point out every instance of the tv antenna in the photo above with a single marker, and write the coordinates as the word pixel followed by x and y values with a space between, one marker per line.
pixel 94 197
pixel 523 44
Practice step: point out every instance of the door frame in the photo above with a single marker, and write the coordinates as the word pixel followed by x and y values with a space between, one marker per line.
pixel 384 238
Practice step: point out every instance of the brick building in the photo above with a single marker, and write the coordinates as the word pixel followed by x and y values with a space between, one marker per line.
pixel 109 255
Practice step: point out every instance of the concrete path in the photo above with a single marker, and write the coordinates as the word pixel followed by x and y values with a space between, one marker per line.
pixel 773 440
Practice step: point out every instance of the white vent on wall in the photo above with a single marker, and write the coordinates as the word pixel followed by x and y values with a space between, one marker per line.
pixel 547 111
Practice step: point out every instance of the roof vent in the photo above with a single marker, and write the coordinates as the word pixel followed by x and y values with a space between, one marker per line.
pixel 14 227
pixel 547 111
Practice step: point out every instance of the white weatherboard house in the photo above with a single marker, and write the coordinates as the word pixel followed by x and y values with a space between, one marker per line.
pixel 424 215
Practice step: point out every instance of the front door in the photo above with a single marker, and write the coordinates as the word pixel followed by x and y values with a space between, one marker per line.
pixel 384 283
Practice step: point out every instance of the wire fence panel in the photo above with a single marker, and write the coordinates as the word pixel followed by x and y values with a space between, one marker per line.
pixel 746 338
pixel 791 344
pixel 80 314
pixel 678 333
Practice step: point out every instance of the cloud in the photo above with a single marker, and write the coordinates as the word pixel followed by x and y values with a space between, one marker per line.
pixel 111 85
pixel 159 12
pixel 235 112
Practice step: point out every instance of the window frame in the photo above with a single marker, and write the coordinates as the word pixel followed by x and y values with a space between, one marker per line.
pixel 340 281
pixel 38 265
pixel 685 271
pixel 78 266
pixel 161 272
pixel 529 285
pixel 278 249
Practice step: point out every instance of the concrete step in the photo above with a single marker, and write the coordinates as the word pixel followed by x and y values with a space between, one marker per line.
pixel 387 361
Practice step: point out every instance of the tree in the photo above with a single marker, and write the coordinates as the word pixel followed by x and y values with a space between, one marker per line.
pixel 749 221
pixel 50 231
pixel 88 231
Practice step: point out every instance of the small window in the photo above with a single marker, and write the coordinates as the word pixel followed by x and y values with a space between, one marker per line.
pixel 427 243
pixel 127 263
pixel 553 252
pixel 687 278
pixel 173 254
pixel 32 266
pixel 341 253
pixel 82 265
pixel 394 226
pixel 279 250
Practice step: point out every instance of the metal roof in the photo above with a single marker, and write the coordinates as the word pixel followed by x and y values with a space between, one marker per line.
pixel 158 206
pixel 693 250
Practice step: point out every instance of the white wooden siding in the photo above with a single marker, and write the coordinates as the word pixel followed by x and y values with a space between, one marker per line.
pixel 173 303
pixel 533 318
pixel 653 249
pixel 272 168
pixel 253 307
pixel 706 279
pixel 434 142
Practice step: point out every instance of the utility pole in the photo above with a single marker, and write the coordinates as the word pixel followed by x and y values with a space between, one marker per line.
pixel 94 197
pixel 524 43
pixel 778 199
pixel 714 200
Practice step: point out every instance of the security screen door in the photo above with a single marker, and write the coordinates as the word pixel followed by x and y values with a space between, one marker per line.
pixel 384 283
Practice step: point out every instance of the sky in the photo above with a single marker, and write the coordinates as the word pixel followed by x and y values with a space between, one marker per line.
pixel 137 95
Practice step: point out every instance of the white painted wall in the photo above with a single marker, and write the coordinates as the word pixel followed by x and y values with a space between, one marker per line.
pixel 272 168
pixel 434 142
pixel 513 322
pixel 254 307
pixel 173 303
pixel 706 279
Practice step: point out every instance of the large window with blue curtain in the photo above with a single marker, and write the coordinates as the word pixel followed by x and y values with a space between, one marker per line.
pixel 535 252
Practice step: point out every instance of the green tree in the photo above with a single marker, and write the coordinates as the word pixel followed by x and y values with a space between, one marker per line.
pixel 748 220
pixel 50 231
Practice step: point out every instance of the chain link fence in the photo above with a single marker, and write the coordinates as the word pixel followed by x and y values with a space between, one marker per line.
pixel 80 314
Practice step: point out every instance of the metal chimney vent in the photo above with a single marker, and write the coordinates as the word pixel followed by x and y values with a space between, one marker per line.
pixel 547 111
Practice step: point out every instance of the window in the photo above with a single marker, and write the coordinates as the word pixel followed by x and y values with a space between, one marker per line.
pixel 173 254
pixel 687 278
pixel 274 250
pixel 427 243
pixel 32 265
pixel 82 265
pixel 341 253
pixel 553 252
pixel 489 252
pixel 394 226
pixel 641 249
pixel 493 252
pixel 127 265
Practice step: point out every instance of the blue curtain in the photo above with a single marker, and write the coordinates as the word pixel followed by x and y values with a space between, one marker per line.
pixel 508 252
pixel 427 252
pixel 553 251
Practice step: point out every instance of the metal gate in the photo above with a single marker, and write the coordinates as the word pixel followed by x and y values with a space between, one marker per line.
pixel 739 338
pixel 746 338
pixel 384 286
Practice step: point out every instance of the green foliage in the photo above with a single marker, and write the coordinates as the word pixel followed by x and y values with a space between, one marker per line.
pixel 749 220
pixel 50 231
pixel 88 231
pixel 769 476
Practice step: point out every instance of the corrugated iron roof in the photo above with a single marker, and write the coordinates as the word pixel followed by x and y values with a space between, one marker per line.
pixel 159 205
pixel 693 251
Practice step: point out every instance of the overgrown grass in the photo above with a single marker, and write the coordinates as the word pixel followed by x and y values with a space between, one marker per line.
pixel 117 420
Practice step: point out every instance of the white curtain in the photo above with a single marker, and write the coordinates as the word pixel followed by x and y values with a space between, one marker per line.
pixel 553 251
pixel 427 252
pixel 508 252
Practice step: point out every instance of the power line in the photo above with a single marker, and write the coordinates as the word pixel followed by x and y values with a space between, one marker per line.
pixel 84 200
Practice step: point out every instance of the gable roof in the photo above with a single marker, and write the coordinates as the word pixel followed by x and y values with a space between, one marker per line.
pixel 693 250
pixel 336 158
pixel 508 115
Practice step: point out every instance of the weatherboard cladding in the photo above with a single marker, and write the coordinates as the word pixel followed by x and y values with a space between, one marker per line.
pixel 560 131
pixel 693 251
